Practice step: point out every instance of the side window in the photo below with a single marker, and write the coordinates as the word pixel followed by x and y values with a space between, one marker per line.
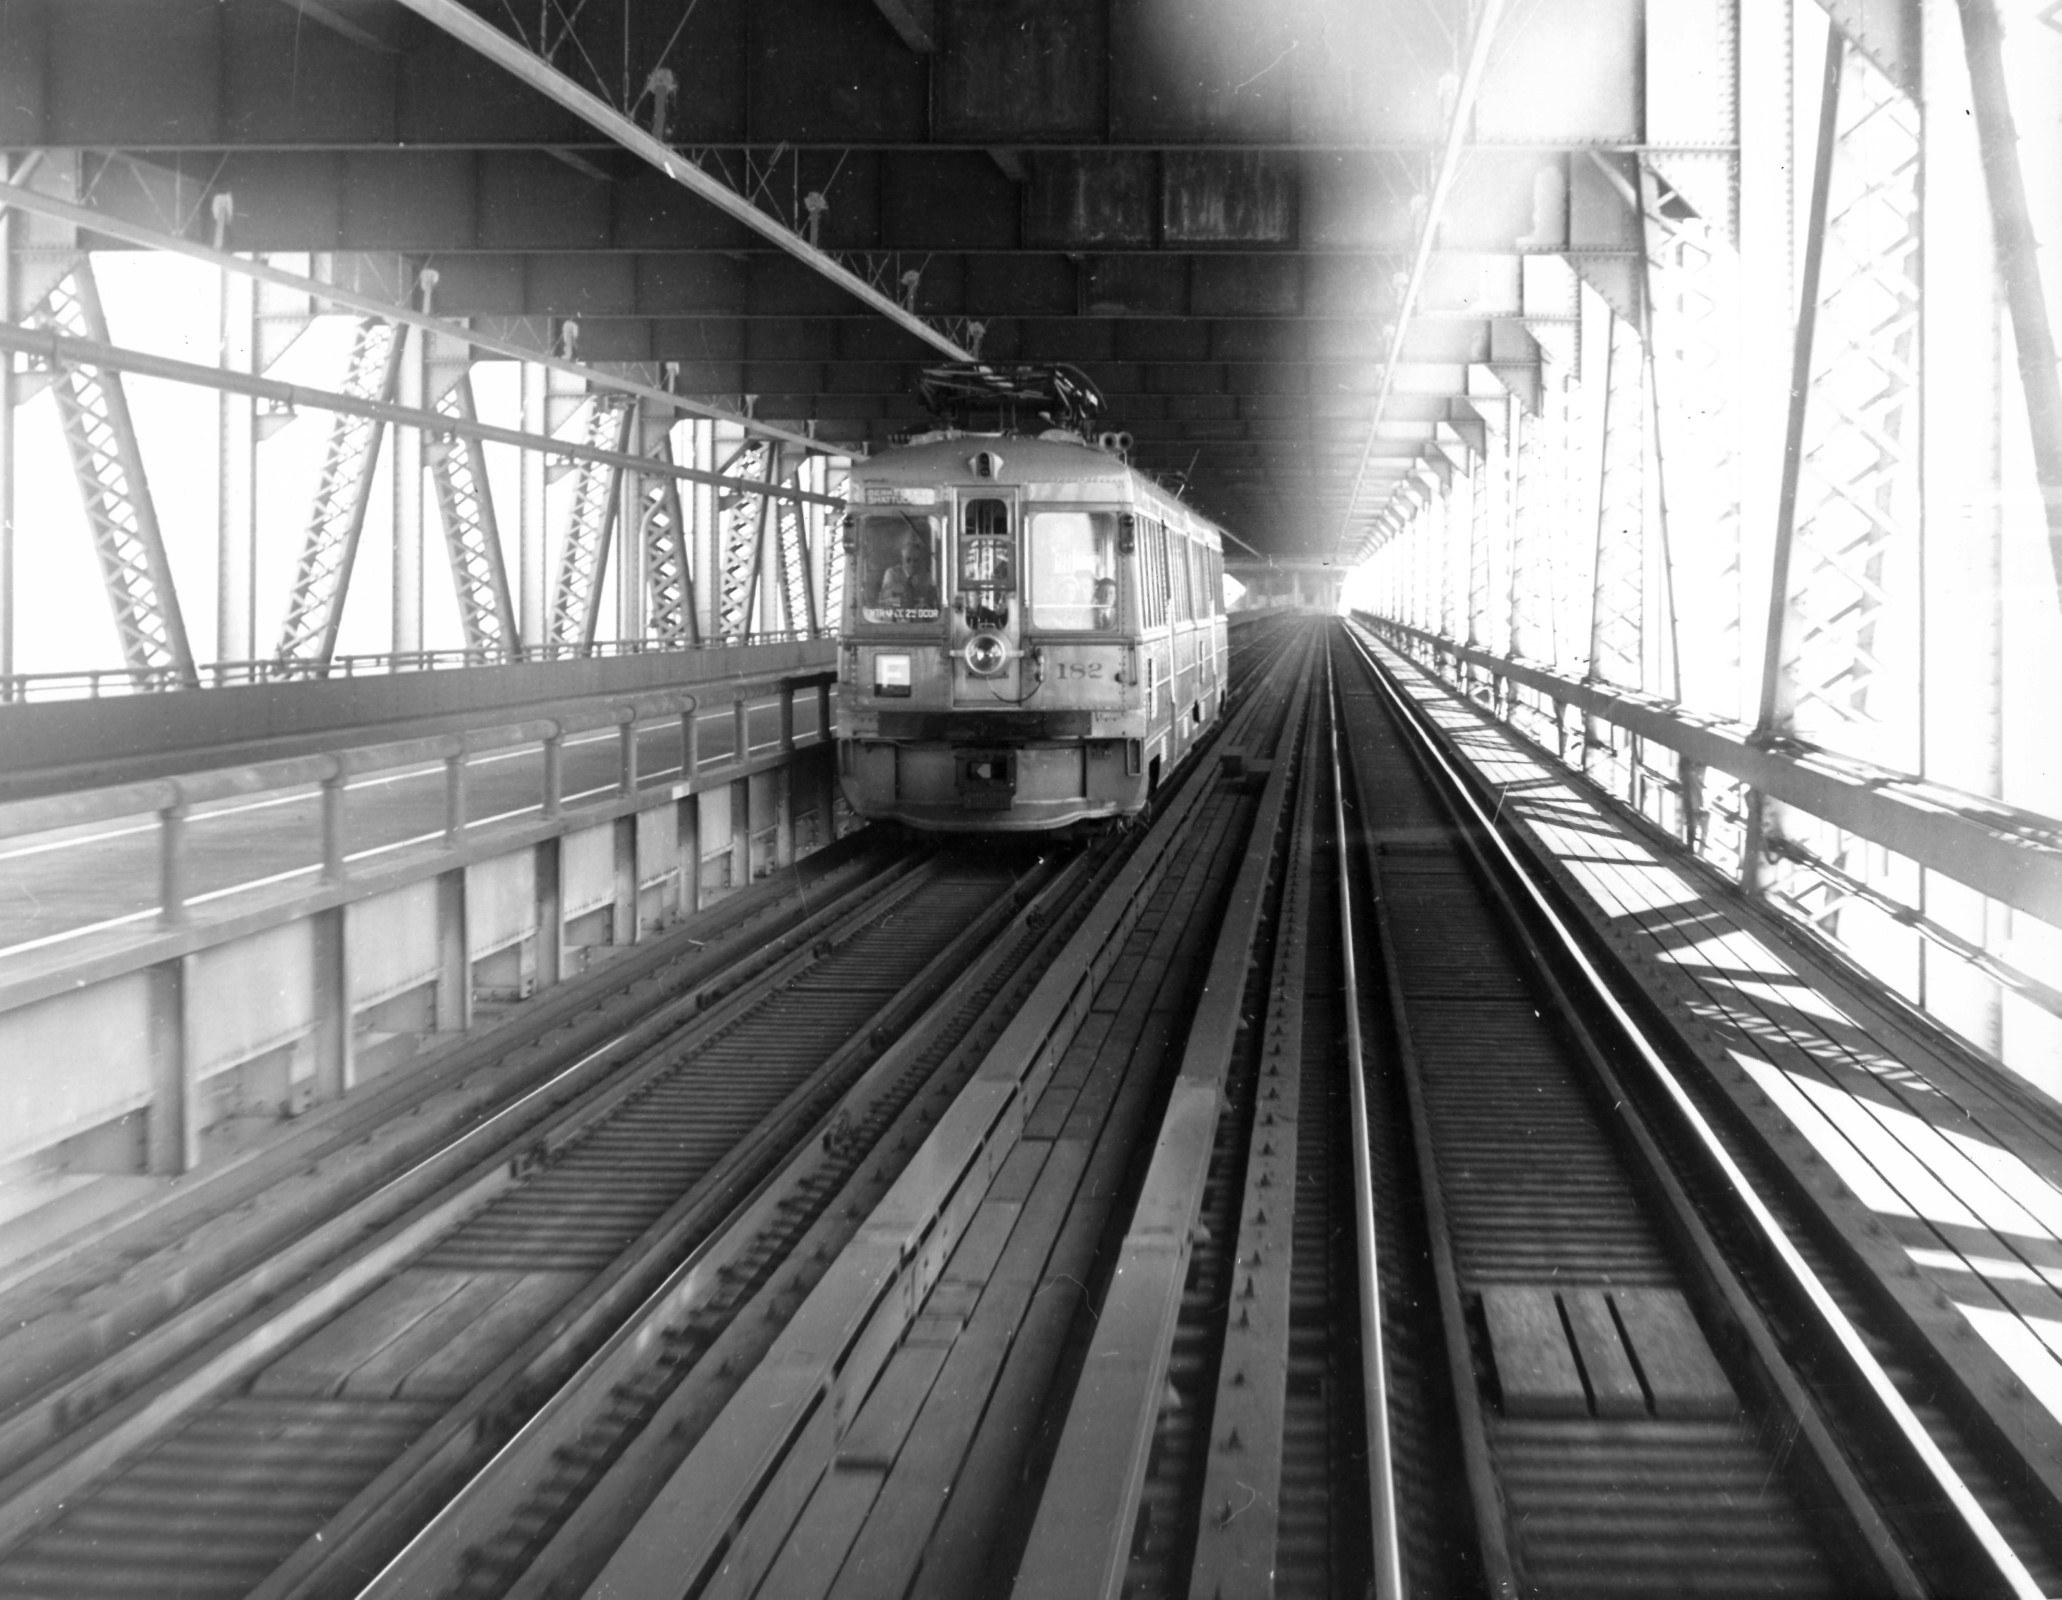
pixel 1073 556
pixel 1152 558
pixel 898 568
pixel 1184 599
pixel 987 574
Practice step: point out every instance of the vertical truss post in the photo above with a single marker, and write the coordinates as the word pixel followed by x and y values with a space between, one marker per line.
pixel 530 567
pixel 633 571
pixel 797 559
pixel 705 531
pixel 1850 494
pixel 743 516
pixel 2021 213
pixel 668 556
pixel 1844 599
pixel 107 463
pixel 1411 576
pixel 1762 821
pixel 830 540
pixel 236 432
pixel 1693 335
pixel 411 389
pixel 1619 577
pixel 1431 556
pixel 1529 516
pixel 329 546
pixel 1461 500
pixel 10 228
pixel 1617 643
pixel 1962 372
pixel 583 555
pixel 472 537
pixel 1476 631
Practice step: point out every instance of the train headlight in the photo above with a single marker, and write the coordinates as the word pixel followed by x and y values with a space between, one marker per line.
pixel 986 654
pixel 891 674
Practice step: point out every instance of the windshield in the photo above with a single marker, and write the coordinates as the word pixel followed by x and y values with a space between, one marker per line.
pixel 1074 569
pixel 898 568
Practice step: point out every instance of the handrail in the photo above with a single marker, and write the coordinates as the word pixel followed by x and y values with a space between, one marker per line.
pixel 42 814
pixel 95 683
pixel 2008 853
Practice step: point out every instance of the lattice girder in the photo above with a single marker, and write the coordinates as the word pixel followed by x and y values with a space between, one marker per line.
pixel 797 564
pixel 668 566
pixel 1856 513
pixel 1694 336
pixel 742 515
pixel 1618 612
pixel 472 537
pixel 584 552
pixel 1538 510
pixel 107 464
pixel 329 546
pixel 831 542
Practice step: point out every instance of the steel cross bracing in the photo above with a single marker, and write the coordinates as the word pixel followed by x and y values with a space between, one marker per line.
pixel 458 470
pixel 517 56
pixel 107 463
pixel 797 568
pixel 668 570
pixel 743 524
pixel 1618 633
pixel 584 553
pixel 830 543
pixel 1854 504
pixel 1692 302
pixel 323 577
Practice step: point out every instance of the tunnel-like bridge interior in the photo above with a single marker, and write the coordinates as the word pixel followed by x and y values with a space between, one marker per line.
pixel 1605 452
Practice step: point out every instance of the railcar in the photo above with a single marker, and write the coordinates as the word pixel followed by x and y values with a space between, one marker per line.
pixel 1033 631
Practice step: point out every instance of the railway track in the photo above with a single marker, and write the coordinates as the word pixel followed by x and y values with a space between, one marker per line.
pixel 492 1316
pixel 1112 1277
pixel 883 1441
pixel 1582 1354
pixel 1902 1494
pixel 333 1412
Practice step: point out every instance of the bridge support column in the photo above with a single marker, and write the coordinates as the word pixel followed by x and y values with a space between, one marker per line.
pixel 623 914
pixel 332 1041
pixel 551 916
pixel 454 968
pixel 740 833
pixel 171 1140
pixel 687 844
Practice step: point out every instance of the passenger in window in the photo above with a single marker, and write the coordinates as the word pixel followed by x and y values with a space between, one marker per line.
pixel 1106 603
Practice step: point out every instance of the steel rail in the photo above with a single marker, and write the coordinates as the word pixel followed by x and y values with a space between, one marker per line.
pixel 62 350
pixel 1421 258
pixel 1498 1571
pixel 434 1557
pixel 548 81
pixel 789 1409
pixel 2008 1570
pixel 15 195
pixel 1082 1536
pixel 337 1261
pixel 1381 1487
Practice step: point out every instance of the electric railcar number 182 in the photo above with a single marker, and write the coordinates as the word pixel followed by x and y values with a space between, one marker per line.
pixel 1033 632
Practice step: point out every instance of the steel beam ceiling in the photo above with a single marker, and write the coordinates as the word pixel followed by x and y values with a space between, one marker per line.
pixel 1216 215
